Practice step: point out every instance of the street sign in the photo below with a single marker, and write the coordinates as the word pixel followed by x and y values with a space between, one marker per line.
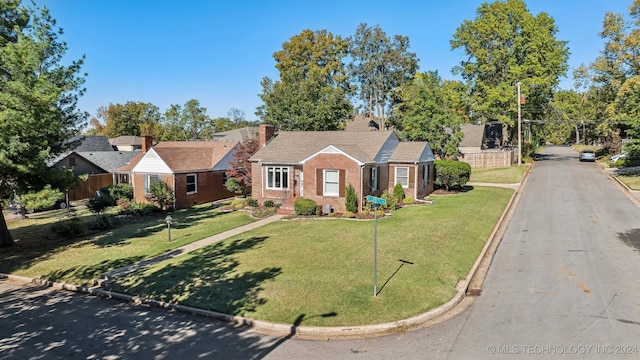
pixel 376 200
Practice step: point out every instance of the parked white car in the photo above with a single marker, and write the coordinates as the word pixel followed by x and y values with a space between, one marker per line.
pixel 615 158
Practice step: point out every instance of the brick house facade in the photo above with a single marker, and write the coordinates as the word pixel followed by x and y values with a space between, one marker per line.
pixel 194 170
pixel 318 165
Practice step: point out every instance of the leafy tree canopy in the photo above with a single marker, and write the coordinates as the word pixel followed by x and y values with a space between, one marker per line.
pixel 379 65
pixel 312 92
pixel 424 114
pixel 38 97
pixel 503 45
pixel 132 118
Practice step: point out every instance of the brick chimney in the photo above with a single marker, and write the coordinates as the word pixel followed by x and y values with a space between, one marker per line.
pixel 265 133
pixel 147 143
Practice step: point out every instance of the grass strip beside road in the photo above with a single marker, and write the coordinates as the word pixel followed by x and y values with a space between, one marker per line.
pixel 83 259
pixel 504 175
pixel 320 272
pixel 632 180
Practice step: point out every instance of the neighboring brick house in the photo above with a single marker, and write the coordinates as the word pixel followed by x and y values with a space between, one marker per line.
pixel 318 165
pixel 194 170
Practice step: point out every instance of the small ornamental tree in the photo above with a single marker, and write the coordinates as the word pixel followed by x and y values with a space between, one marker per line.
pixel 351 199
pixel 239 174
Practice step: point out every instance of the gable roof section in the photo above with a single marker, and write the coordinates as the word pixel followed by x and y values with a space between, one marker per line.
pixel 293 147
pixel 412 152
pixel 108 160
pixel 182 156
pixel 473 135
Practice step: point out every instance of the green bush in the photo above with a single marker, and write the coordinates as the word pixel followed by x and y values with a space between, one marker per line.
pixel 269 203
pixel 398 193
pixel 348 214
pixel 351 199
pixel 392 202
pixel 101 222
pixel 263 212
pixel 304 207
pixel 69 226
pixel 120 191
pixel 252 202
pixel 451 173
pixel 237 204
pixel 409 200
pixel 99 203
pixel 41 200
pixel 162 195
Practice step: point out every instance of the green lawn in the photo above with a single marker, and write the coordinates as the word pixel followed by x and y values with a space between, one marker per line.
pixel 507 175
pixel 38 253
pixel 631 180
pixel 320 272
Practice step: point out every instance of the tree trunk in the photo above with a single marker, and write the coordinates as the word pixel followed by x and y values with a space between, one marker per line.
pixel 6 240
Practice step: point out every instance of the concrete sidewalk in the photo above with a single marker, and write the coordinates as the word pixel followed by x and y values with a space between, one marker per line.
pixel 123 271
pixel 515 186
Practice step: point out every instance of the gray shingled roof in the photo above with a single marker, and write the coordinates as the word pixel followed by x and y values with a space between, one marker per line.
pixel 473 135
pixel 412 152
pixel 126 140
pixel 108 160
pixel 291 147
pixel 94 143
pixel 237 135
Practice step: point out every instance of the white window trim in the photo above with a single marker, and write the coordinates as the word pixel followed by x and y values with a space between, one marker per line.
pixel 195 183
pixel 325 182
pixel 396 176
pixel 147 181
pixel 284 185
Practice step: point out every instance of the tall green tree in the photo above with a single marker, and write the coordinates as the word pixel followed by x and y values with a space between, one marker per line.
pixel 506 44
pixel 186 123
pixel 38 101
pixel 424 114
pixel 379 65
pixel 312 92
pixel 131 118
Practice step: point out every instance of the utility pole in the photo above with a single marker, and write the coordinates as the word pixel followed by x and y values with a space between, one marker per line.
pixel 519 128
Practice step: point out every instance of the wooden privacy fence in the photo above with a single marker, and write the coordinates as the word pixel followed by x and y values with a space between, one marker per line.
pixel 88 188
pixel 490 158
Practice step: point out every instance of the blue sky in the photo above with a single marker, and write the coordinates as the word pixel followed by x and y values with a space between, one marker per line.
pixel 217 52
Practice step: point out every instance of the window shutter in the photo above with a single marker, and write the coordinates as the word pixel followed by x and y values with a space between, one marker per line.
pixel 412 177
pixel 319 182
pixel 341 183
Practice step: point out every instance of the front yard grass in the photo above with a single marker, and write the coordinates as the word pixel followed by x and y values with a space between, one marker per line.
pixel 80 260
pixel 632 180
pixel 505 175
pixel 320 272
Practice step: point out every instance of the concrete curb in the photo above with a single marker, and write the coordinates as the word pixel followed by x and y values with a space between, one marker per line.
pixel 471 284
pixel 625 189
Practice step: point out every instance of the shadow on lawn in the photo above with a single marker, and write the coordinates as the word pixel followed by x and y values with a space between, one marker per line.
pixel 90 272
pixel 208 279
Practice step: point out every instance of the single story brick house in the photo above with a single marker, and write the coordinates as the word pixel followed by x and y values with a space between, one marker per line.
pixel 318 165
pixel 194 170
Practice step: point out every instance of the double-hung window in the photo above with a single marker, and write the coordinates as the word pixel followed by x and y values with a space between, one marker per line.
pixel 374 178
pixel 331 186
pixel 402 176
pixel 150 179
pixel 277 177
pixel 192 183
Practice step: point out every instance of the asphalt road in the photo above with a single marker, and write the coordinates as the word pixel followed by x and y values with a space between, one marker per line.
pixel 564 284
